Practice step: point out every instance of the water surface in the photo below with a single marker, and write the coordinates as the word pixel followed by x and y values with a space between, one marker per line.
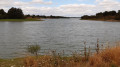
pixel 59 34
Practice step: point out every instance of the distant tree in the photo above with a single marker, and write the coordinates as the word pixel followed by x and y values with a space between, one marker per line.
pixel 118 15
pixel 28 15
pixel 15 13
pixel 33 16
pixel 85 17
pixel 106 13
pixel 38 15
pixel 51 16
pixel 109 13
pixel 2 14
pixel 43 16
pixel 118 12
pixel 99 14
pixel 112 13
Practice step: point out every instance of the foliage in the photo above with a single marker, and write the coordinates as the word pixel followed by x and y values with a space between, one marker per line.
pixel 2 14
pixel 15 13
pixel 43 16
pixel 107 15
pixel 33 49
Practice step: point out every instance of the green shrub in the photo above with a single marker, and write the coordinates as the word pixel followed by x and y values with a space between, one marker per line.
pixel 33 49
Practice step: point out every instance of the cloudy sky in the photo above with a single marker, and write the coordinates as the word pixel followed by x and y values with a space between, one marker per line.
pixel 61 7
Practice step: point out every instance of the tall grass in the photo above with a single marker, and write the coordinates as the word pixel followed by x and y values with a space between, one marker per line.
pixel 108 57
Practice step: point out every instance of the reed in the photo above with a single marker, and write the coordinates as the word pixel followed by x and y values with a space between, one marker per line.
pixel 108 57
pixel 103 57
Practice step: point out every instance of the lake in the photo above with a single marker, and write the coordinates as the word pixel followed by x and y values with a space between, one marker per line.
pixel 55 34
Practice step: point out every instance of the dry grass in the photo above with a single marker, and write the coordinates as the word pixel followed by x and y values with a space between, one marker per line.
pixel 18 62
pixel 110 57
pixel 48 61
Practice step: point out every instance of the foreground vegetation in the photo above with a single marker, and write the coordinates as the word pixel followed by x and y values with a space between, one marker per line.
pixel 109 57
pixel 104 16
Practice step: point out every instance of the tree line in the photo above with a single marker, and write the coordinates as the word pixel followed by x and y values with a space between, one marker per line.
pixel 13 13
pixel 104 15
pixel 17 13
pixel 43 16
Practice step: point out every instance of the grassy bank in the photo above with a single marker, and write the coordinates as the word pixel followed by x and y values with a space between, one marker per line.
pixel 20 20
pixel 110 57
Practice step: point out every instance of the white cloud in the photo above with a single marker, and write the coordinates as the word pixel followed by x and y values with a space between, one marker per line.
pixel 30 3
pixel 65 10
pixel 10 3
pixel 41 2
pixel 6 3
pixel 109 5
pixel 19 3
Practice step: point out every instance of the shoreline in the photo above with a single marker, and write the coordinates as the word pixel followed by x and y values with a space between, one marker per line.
pixel 109 57
pixel 20 20
pixel 110 20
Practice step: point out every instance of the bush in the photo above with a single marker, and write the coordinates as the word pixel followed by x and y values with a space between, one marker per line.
pixel 33 49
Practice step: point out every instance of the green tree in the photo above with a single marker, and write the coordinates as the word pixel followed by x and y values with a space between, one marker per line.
pixel 112 13
pixel 99 14
pixel 106 13
pixel 119 12
pixel 2 14
pixel 33 16
pixel 15 13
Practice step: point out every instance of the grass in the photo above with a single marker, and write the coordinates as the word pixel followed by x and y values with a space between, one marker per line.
pixel 109 57
pixel 18 62
pixel 20 20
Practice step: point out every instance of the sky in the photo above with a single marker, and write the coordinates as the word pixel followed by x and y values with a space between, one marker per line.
pixel 72 8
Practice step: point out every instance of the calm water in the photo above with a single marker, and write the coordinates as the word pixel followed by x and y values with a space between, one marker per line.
pixel 60 34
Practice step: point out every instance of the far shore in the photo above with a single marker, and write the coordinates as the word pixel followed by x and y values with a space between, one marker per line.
pixel 109 20
pixel 20 20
